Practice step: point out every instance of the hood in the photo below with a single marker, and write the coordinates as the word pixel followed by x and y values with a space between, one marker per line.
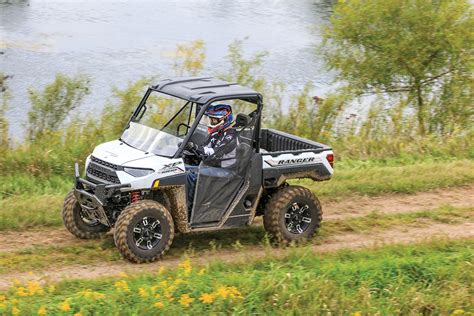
pixel 119 153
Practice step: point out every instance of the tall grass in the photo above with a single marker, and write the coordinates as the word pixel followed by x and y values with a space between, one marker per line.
pixel 430 278
pixel 55 143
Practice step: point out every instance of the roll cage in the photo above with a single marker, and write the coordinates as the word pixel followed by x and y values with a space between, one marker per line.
pixel 201 92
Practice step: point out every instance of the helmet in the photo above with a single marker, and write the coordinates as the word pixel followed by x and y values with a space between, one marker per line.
pixel 220 117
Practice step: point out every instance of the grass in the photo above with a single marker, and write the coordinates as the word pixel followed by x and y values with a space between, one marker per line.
pixel 86 253
pixel 39 204
pixel 429 278
pixel 31 211
pixel 367 179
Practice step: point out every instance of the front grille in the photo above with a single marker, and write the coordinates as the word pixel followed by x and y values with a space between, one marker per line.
pixel 102 171
pixel 104 163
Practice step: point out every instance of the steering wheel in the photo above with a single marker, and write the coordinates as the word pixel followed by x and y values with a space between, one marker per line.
pixel 191 157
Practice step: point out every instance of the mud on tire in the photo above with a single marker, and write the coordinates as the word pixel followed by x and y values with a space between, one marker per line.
pixel 75 223
pixel 292 214
pixel 144 231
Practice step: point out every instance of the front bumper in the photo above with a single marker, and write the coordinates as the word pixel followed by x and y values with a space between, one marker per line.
pixel 93 197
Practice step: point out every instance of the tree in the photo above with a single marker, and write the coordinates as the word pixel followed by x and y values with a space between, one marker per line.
pixel 50 107
pixel 409 47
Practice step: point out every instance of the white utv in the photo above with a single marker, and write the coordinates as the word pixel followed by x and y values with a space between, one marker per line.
pixel 137 184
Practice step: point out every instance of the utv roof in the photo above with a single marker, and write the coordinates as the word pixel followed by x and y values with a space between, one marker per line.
pixel 204 89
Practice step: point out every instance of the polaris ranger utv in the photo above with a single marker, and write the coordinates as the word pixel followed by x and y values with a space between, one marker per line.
pixel 137 184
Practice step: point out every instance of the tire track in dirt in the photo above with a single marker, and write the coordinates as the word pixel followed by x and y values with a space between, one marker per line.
pixel 334 243
pixel 332 210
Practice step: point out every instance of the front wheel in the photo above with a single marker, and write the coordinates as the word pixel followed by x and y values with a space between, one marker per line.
pixel 144 231
pixel 77 222
pixel 292 214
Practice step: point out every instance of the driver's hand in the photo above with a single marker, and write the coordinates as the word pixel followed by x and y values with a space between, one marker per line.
pixel 190 146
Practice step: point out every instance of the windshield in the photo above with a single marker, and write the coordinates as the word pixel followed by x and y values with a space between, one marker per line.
pixel 160 125
pixel 151 140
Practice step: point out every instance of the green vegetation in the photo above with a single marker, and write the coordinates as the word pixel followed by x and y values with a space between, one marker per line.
pixel 414 51
pixel 430 278
pixel 42 257
pixel 30 202
pixel 416 134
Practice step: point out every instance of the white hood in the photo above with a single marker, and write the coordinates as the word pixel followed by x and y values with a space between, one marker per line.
pixel 119 153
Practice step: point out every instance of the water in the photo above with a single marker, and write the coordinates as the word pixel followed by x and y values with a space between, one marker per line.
pixel 120 41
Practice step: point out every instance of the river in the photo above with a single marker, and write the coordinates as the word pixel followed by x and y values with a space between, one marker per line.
pixel 115 42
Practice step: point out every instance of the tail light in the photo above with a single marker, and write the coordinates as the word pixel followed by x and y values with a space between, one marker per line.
pixel 330 159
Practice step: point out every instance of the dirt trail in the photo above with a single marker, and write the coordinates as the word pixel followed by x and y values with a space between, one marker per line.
pixel 399 203
pixel 350 207
pixel 351 241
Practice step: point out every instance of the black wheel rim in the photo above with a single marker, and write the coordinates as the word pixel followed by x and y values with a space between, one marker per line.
pixel 298 218
pixel 147 233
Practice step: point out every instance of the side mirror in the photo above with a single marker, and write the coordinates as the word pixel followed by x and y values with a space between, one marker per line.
pixel 180 126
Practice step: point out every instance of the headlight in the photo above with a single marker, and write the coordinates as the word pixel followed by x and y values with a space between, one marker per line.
pixel 136 172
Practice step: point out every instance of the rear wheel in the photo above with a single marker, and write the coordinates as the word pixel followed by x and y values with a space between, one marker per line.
pixel 293 213
pixel 77 222
pixel 144 231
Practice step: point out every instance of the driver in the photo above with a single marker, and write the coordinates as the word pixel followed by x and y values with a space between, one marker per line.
pixel 219 143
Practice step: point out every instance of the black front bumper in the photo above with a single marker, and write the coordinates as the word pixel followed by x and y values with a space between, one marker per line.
pixel 93 197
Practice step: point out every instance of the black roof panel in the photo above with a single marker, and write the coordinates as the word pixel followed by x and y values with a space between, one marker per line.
pixel 203 89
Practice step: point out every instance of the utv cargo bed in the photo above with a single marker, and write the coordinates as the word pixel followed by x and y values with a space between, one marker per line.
pixel 276 142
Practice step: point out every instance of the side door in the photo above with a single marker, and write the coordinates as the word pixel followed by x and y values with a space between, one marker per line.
pixel 222 180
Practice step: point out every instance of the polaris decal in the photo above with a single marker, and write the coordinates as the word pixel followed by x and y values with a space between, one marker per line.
pixel 293 161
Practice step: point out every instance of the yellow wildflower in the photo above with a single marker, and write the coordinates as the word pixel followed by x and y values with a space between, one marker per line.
pixel 358 313
pixel 163 283
pixel 223 292
pixel 170 289
pixel 14 301
pixel 34 288
pixel 207 298
pixel 64 306
pixel 2 306
pixel 78 314
pixel 185 266
pixel 122 285
pixel 142 292
pixel 458 312
pixel 202 271
pixel 157 296
pixel 88 293
pixel 16 282
pixel 234 292
pixel 15 310
pixel 42 311
pixel 185 300
pixel 161 270
pixel 169 296
pixel 30 273
pixel 2 298
pixel 178 281
pixel 159 305
pixel 21 291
